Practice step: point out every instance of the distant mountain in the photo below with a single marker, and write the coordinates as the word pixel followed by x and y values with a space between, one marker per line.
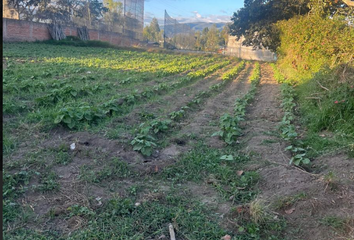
pixel 199 26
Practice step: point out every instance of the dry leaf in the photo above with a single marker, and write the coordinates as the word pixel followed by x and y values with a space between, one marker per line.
pixel 226 237
pixel 290 211
pixel 239 173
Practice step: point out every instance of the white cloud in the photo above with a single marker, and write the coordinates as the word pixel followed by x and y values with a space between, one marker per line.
pixel 197 15
pixel 208 18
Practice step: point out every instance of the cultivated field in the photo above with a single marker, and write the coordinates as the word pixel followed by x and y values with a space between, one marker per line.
pixel 102 143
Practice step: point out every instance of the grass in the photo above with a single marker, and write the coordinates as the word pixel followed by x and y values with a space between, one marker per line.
pixel 203 161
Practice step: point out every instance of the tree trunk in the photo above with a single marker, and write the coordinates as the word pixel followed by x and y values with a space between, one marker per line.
pixel 83 33
pixel 56 31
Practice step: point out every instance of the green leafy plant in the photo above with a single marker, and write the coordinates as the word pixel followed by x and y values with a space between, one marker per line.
pixel 177 115
pixel 229 128
pixel 158 126
pixel 144 142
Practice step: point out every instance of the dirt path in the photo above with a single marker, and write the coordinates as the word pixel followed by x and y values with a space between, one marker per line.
pixel 302 198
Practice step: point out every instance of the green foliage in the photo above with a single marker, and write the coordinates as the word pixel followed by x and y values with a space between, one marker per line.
pixel 229 128
pixel 79 43
pixel 334 222
pixel 277 74
pixel 233 72
pixel 13 187
pixel 204 72
pixel 73 116
pixel 144 142
pixel 288 129
pixel 205 162
pixel 330 110
pixel 77 210
pixel 158 126
pixel 112 169
pixel 152 32
pixel 150 219
pixel 48 182
pixel 177 115
pixel 258 20
pixel 8 143
pixel 255 21
pixel 311 42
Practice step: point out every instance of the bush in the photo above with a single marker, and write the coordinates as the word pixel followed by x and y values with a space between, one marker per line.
pixel 310 42
pixel 75 41
pixel 316 54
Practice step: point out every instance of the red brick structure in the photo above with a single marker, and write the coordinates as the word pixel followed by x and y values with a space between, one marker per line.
pixel 24 31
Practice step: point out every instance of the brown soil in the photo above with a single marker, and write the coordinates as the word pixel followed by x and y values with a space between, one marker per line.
pixel 278 180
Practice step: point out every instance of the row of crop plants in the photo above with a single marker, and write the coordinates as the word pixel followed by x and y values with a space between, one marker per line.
pixel 287 128
pixel 229 125
pixel 75 114
pixel 147 133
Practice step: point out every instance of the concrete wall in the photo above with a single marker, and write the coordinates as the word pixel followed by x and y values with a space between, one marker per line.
pixel 25 31
pixel 235 48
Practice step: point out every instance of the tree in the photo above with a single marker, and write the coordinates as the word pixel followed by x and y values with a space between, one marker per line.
pixel 213 38
pixel 225 32
pixel 59 11
pixel 152 32
pixel 255 21
pixel 113 17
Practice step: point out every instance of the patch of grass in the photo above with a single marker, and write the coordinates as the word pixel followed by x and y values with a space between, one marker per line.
pixel 334 222
pixel 120 218
pixel 14 185
pixel 114 169
pixel 319 145
pixel 8 143
pixel 282 203
pixel 48 182
pixel 256 222
pixel 205 163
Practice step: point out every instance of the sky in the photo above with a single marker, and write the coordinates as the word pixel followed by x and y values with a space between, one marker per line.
pixel 184 11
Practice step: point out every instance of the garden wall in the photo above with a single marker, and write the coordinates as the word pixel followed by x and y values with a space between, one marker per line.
pixel 235 48
pixel 20 31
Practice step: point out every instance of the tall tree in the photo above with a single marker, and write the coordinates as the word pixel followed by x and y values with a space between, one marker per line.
pixel 255 21
pixel 60 11
pixel 152 32
pixel 113 18
pixel 224 34
pixel 213 38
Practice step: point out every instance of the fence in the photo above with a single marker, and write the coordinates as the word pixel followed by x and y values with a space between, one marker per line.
pixel 177 35
pixel 20 30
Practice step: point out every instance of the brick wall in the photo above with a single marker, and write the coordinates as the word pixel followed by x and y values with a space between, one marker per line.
pixel 25 31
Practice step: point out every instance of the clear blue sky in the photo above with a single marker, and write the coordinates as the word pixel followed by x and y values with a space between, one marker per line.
pixel 192 10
